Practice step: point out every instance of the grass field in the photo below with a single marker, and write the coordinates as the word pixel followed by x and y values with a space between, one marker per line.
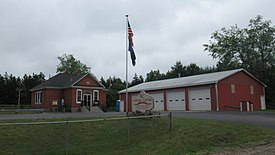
pixel 147 136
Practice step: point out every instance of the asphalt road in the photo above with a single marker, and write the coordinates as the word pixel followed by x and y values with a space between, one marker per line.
pixel 259 118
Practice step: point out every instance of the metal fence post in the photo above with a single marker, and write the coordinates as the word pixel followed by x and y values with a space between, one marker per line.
pixel 170 121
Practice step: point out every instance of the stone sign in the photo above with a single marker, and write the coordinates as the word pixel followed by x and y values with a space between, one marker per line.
pixel 142 102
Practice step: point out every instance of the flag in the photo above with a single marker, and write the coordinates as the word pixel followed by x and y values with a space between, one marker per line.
pixel 131 44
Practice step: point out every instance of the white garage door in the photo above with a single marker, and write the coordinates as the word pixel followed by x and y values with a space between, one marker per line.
pixel 158 101
pixel 176 100
pixel 199 99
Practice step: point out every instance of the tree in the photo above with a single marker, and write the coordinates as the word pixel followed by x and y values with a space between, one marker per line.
pixel 113 86
pixel 154 75
pixel 178 70
pixel 192 69
pixel 136 80
pixel 10 85
pixel 251 48
pixel 28 82
pixel 68 64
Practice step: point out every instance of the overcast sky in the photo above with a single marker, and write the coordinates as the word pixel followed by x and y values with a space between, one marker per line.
pixel 34 32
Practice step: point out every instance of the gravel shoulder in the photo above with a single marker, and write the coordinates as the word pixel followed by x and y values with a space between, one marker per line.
pixel 264 149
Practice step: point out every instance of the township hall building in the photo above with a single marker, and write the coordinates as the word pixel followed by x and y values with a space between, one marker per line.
pixel 71 90
pixel 220 91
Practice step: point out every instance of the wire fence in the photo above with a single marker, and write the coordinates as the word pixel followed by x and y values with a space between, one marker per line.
pixel 89 136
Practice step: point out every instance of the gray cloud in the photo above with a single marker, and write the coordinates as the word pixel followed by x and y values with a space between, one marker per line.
pixel 34 32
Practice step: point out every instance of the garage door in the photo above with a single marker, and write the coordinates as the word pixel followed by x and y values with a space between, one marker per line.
pixel 176 100
pixel 199 99
pixel 158 101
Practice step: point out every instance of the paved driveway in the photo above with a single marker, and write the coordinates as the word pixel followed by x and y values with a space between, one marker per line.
pixel 260 118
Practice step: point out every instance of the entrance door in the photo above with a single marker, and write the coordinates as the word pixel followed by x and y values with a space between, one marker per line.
pixel 87 100
pixel 263 105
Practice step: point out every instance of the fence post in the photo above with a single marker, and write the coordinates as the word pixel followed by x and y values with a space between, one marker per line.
pixel 170 121
pixel 128 126
pixel 67 137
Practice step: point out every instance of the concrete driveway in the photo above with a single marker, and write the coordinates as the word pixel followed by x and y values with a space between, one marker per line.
pixel 259 118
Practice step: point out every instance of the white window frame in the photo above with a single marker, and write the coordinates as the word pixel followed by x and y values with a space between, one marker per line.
pixel 76 96
pixel 95 96
pixel 38 97
pixel 233 89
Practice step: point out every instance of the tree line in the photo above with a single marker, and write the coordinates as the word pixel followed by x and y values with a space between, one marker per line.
pixel 11 85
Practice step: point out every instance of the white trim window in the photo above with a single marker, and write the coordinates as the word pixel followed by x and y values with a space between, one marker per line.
pixel 233 89
pixel 38 97
pixel 78 96
pixel 251 90
pixel 96 95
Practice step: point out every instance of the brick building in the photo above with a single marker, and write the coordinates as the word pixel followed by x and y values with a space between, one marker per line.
pixel 74 90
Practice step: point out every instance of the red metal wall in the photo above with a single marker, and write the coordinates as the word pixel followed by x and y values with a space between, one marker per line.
pixel 242 82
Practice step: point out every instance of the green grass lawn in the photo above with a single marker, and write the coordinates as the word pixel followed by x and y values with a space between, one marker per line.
pixel 147 136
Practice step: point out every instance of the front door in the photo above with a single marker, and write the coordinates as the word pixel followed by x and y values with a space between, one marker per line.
pixel 87 100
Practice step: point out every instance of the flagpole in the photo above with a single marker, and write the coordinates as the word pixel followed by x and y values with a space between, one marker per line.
pixel 127 110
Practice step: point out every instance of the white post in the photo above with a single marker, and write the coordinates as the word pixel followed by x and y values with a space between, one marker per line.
pixel 127 66
pixel 247 106
pixel 252 109
pixel 217 97
pixel 241 106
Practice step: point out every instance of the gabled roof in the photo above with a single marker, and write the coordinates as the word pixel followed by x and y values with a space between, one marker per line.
pixel 195 80
pixel 62 80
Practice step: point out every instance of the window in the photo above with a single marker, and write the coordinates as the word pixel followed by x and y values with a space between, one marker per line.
pixel 96 95
pixel 38 97
pixel 233 89
pixel 251 90
pixel 78 96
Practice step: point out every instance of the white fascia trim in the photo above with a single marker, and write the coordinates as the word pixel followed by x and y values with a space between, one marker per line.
pixel 86 87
